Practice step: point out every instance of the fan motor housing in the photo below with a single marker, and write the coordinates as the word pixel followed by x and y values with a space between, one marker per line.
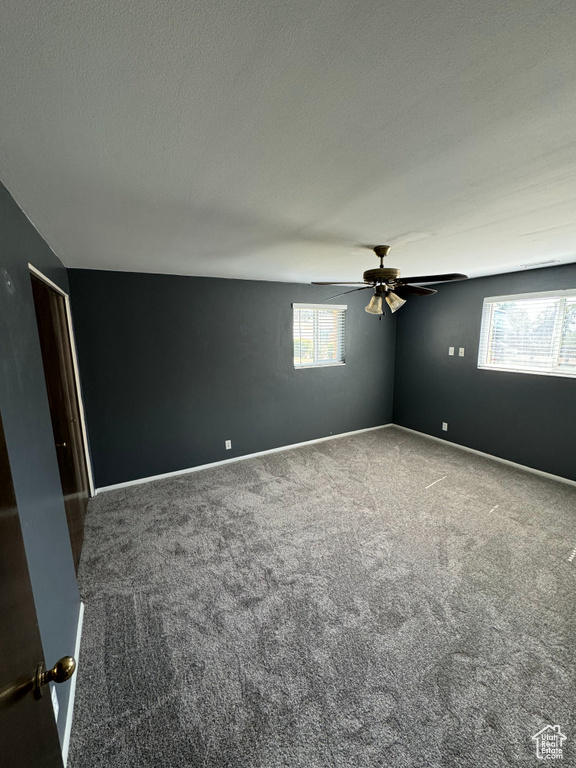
pixel 381 275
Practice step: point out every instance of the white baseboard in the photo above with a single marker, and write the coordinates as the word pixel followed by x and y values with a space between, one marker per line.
pixel 548 475
pixel 70 712
pixel 236 458
pixel 166 475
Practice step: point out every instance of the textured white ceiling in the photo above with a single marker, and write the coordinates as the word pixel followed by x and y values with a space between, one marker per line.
pixel 265 138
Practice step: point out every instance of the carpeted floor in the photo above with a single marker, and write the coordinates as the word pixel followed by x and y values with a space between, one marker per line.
pixel 376 600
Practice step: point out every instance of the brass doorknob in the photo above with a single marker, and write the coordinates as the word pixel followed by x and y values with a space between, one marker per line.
pixel 60 672
pixel 60 445
pixel 22 686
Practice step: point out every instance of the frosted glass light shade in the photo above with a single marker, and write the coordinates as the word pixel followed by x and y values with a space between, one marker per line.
pixel 394 302
pixel 375 306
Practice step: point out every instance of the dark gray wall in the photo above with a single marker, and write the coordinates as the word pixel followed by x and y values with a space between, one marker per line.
pixel 525 418
pixel 24 406
pixel 173 366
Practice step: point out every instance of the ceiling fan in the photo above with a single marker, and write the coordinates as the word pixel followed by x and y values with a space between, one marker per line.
pixel 388 284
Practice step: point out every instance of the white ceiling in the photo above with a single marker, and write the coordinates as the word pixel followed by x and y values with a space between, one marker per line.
pixel 265 138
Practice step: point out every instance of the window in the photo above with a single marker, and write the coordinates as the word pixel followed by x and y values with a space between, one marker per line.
pixel 530 333
pixel 319 331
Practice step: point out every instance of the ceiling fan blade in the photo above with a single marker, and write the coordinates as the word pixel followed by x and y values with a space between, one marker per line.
pixel 351 283
pixel 412 290
pixel 434 278
pixel 345 292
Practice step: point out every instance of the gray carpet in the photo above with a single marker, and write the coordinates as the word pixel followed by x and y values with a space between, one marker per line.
pixel 331 605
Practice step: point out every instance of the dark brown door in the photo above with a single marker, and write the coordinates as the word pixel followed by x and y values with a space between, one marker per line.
pixel 64 407
pixel 28 735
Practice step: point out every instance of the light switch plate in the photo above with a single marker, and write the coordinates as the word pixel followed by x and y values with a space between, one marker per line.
pixel 444 426
pixel 461 351
pixel 450 350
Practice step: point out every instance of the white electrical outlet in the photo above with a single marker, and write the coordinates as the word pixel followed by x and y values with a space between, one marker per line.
pixel 461 351
pixel 444 426
pixel 450 350
pixel 228 444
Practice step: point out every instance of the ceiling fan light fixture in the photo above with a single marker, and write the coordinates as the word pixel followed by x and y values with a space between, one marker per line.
pixel 384 278
pixel 394 301
pixel 375 305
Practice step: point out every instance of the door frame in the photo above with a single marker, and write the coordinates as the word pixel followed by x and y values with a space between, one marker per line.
pixel 88 459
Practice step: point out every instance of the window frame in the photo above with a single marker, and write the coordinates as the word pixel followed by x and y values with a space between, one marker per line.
pixel 487 317
pixel 315 340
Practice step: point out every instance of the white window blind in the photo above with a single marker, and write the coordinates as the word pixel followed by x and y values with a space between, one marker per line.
pixel 319 334
pixel 530 333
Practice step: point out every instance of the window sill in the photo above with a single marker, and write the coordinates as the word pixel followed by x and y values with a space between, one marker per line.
pixel 317 365
pixel 525 370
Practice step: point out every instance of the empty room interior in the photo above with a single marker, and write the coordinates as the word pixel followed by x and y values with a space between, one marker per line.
pixel 287 384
